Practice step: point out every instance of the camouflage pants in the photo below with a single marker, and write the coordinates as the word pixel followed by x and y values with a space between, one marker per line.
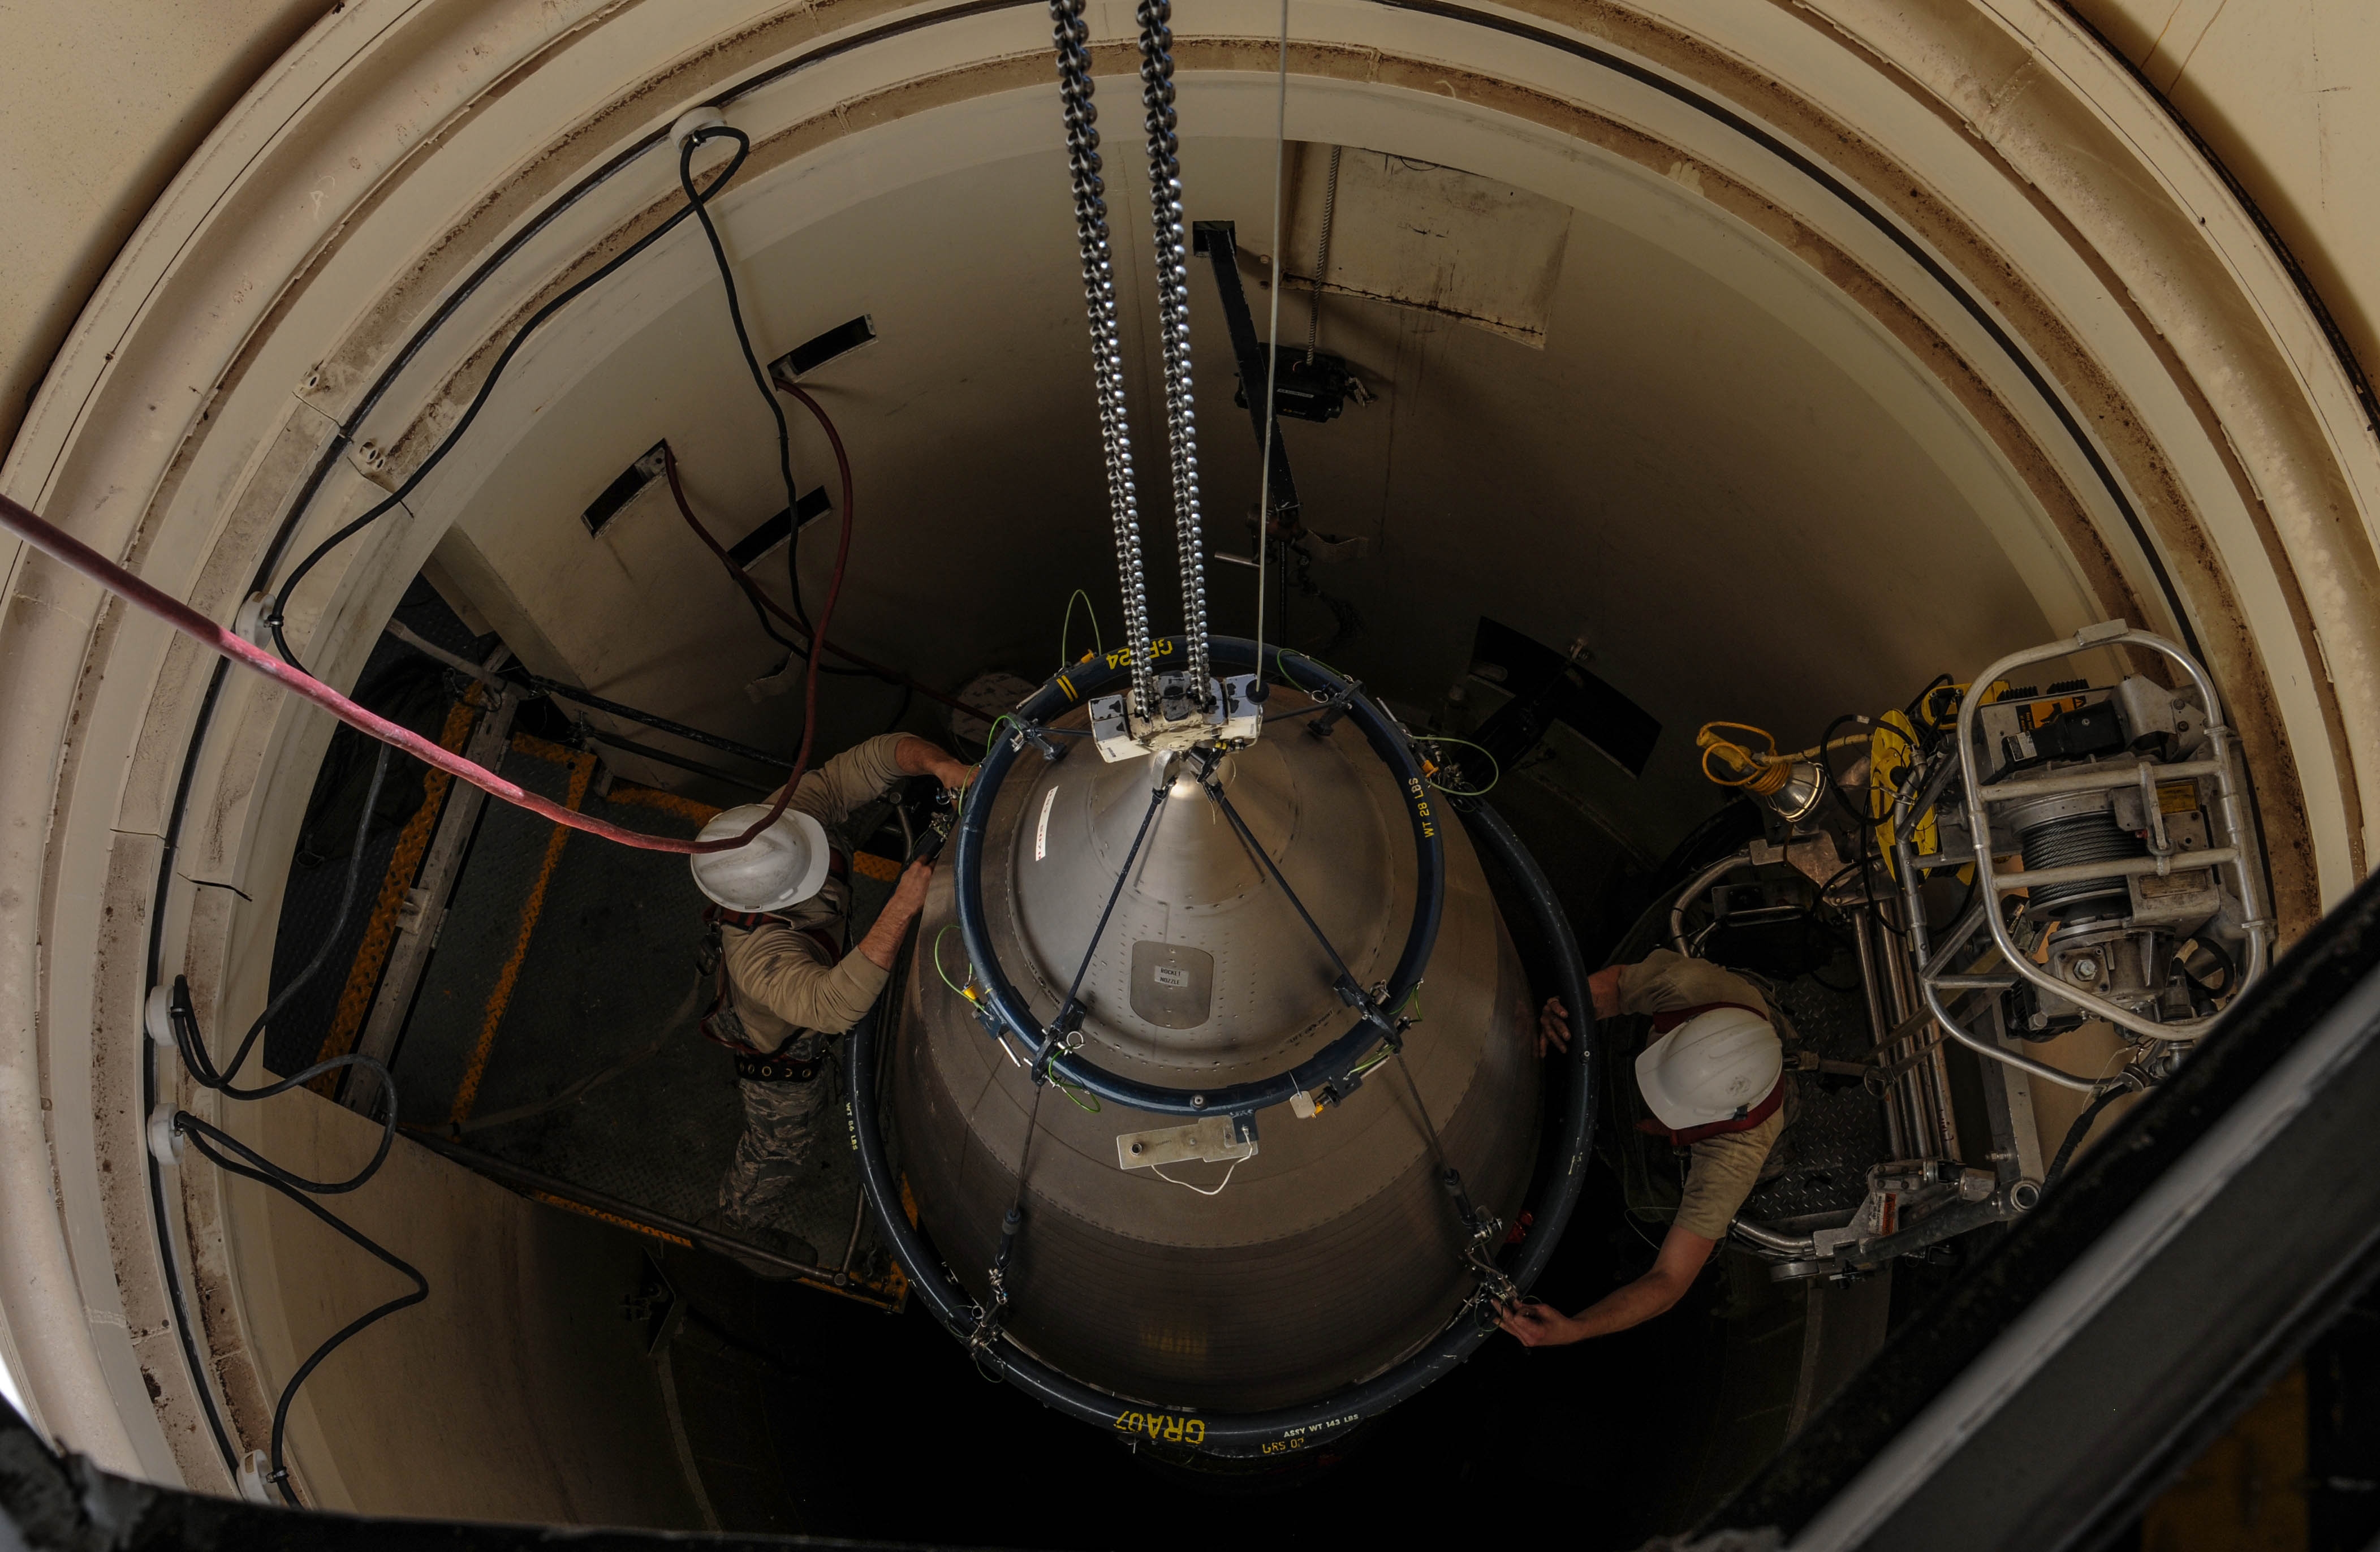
pixel 784 1125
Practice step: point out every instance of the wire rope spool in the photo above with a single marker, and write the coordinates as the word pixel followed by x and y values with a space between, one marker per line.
pixel 1351 1167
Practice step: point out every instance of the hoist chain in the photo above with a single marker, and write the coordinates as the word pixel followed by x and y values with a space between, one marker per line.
pixel 1071 34
pixel 1173 321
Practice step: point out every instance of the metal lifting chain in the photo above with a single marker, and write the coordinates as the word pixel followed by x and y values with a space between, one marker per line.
pixel 1071 34
pixel 1173 321
pixel 1322 258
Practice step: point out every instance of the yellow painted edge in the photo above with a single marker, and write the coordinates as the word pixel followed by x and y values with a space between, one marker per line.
pixel 667 802
pixel 549 1199
pixel 582 772
pixel 380 928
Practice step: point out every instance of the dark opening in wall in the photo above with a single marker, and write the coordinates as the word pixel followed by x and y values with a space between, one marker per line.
pixel 771 534
pixel 622 490
pixel 817 351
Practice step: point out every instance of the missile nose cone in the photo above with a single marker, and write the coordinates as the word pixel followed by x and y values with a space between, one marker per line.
pixel 1203 963
pixel 1308 1246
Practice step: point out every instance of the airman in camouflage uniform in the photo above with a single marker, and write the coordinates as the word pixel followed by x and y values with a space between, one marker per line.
pixel 794 983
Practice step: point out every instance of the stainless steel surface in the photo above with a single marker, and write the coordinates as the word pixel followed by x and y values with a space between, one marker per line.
pixel 1805 789
pixel 1324 811
pixel 2008 1111
pixel 1929 1081
pixel 1793 1247
pixel 1932 959
pixel 2098 777
pixel 2123 867
pixel 1173 985
pixel 1335 1249
pixel 1213 1140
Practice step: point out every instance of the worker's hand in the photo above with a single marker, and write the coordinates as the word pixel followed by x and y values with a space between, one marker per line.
pixel 1535 1325
pixel 1603 986
pixel 909 895
pixel 919 757
pixel 1553 1026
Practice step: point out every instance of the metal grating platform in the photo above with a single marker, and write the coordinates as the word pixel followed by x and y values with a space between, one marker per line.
pixel 559 961
pixel 1840 1132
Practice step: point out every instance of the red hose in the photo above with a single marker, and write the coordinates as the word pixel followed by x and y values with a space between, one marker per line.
pixel 72 553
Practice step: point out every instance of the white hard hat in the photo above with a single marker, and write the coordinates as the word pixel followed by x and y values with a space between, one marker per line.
pixel 1715 1066
pixel 781 865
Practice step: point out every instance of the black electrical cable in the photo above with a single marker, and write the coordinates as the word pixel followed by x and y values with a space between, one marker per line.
pixel 1827 768
pixel 1917 702
pixel 556 689
pixel 1817 899
pixel 2081 1129
pixel 699 201
pixel 191 1042
pixel 202 1066
pixel 202 1137
pixel 395 498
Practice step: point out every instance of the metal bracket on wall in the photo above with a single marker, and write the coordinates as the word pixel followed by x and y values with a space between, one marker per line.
pixel 425 904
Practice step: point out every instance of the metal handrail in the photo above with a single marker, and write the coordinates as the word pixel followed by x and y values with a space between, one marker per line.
pixel 1930 963
pixel 2117 868
pixel 1695 887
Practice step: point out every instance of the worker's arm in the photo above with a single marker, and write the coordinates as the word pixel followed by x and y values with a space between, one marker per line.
pixel 915 757
pixel 776 967
pixel 1665 979
pixel 892 923
pixel 1553 1019
pixel 1681 1260
pixel 861 774
pixel 1661 981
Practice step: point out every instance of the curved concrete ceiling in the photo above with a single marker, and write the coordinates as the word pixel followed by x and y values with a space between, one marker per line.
pixel 1884 338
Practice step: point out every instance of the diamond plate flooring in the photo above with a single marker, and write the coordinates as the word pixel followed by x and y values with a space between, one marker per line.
pixel 1840 1132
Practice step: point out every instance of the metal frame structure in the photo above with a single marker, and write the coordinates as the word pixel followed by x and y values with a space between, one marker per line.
pixel 2085 1358
pixel 1981 795
pixel 1913 987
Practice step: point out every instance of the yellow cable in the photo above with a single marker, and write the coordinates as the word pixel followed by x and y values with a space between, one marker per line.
pixel 1762 772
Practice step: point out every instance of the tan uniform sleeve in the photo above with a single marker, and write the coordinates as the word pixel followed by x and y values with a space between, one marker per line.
pixel 850 781
pixel 1666 979
pixel 1720 1174
pixel 779 971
